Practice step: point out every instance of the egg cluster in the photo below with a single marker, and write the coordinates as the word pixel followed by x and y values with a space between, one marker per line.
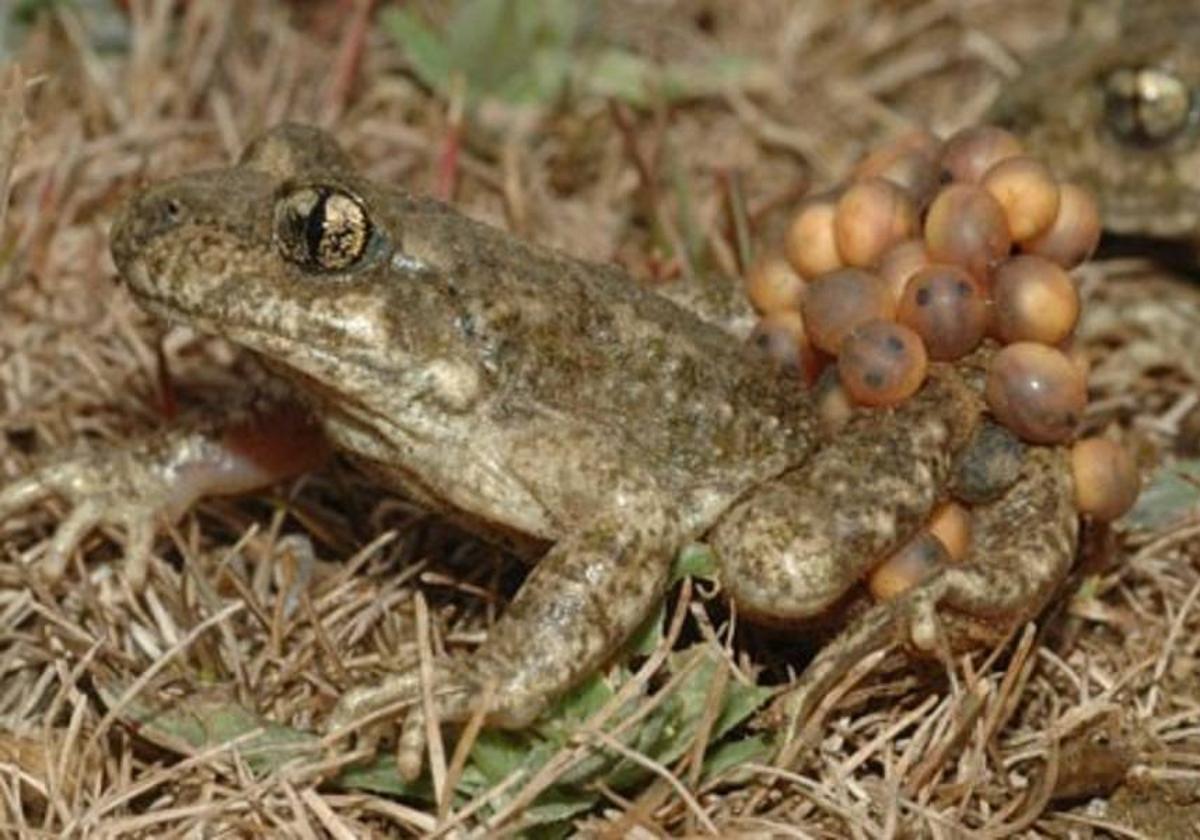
pixel 930 250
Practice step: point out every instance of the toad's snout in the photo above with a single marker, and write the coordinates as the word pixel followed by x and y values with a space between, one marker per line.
pixel 142 220
pixel 177 212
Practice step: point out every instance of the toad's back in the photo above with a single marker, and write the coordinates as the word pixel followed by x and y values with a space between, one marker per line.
pixel 577 340
pixel 483 376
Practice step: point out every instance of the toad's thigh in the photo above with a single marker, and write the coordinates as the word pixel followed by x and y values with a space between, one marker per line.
pixel 792 548
pixel 1023 549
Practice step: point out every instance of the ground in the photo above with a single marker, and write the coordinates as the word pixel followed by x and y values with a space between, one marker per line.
pixel 1084 725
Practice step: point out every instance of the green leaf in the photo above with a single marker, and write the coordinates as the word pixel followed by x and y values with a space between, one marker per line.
pixel 695 560
pixel 692 698
pixel 623 75
pixel 382 776
pixel 564 22
pixel 1172 495
pixel 741 701
pixel 583 701
pixel 558 806
pixel 649 635
pixel 26 11
pixel 488 43
pixel 669 733
pixel 535 51
pixel 497 753
pixel 426 52
pixel 726 756
pixel 711 77
pixel 211 718
pixel 619 74
pixel 515 50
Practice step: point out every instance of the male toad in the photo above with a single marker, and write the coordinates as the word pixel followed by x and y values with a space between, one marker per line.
pixel 557 408
pixel 1115 107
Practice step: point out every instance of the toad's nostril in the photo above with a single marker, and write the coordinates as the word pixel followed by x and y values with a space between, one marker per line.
pixel 152 216
pixel 140 221
pixel 171 211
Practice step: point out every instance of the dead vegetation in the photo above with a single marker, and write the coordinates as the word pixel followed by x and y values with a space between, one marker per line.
pixel 128 713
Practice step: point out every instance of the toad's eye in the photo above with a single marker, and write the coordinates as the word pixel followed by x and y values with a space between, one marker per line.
pixel 322 228
pixel 1146 105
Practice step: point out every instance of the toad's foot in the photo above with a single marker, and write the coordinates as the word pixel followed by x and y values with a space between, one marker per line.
pixel 1025 543
pixel 457 695
pixel 154 480
pixel 582 601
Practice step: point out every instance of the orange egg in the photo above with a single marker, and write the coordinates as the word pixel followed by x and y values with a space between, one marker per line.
pixel 1106 478
pixel 969 153
pixel 951 524
pixel 1027 191
pixel 912 563
pixel 837 302
pixel 1036 391
pixel 900 263
pixel 946 307
pixel 882 363
pixel 879 159
pixel 809 242
pixel 1075 232
pixel 780 336
pixel 910 162
pixel 872 215
pixel 966 226
pixel 772 284
pixel 1033 299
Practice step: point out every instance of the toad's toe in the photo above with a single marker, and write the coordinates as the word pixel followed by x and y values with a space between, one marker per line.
pixel 360 708
pixel 69 535
pixel 100 489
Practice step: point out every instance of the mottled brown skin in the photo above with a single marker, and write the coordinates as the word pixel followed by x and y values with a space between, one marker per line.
pixel 1058 107
pixel 560 409
pixel 1017 561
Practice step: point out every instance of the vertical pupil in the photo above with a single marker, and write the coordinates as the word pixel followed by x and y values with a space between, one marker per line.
pixel 314 225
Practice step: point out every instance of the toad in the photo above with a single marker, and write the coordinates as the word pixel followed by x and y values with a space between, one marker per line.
pixel 1114 107
pixel 557 408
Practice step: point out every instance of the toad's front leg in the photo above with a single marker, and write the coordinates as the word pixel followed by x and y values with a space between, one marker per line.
pixel 155 479
pixel 581 602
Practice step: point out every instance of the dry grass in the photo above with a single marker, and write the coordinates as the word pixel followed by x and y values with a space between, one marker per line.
pixel 1103 699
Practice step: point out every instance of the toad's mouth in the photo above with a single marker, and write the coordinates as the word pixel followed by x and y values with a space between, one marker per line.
pixel 168 308
pixel 289 353
pixel 320 377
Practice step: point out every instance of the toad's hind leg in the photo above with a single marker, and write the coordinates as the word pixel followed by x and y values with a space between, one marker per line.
pixel 581 602
pixel 1024 546
pixel 795 546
